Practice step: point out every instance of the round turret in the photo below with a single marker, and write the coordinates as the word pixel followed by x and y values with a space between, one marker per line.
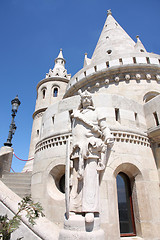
pixel 118 66
pixel 50 90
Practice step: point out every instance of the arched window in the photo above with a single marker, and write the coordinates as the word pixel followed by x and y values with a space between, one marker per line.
pixel 126 217
pixel 55 92
pixel 150 95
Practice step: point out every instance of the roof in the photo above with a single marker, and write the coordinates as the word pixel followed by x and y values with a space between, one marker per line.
pixel 113 41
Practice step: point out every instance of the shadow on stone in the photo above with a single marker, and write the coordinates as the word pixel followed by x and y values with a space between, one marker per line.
pixel 89 226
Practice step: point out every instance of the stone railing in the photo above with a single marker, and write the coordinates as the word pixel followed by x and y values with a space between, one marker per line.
pixel 119 136
pixel 113 63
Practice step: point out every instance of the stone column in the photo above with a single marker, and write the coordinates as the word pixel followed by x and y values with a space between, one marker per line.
pixel 6 154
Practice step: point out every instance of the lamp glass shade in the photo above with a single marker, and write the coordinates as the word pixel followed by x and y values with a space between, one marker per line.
pixel 15 104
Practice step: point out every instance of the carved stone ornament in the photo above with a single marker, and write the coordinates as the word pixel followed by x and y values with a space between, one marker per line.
pixel 127 77
pixel 158 77
pixel 90 148
pixel 148 76
pixel 138 76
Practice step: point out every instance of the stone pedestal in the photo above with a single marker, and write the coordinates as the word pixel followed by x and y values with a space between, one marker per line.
pixel 77 228
pixel 6 154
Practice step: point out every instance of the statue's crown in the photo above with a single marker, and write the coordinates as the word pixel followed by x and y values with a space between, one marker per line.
pixel 84 94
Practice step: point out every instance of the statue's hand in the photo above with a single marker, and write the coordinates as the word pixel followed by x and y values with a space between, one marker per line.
pixel 76 114
pixel 109 141
pixel 100 166
pixel 95 129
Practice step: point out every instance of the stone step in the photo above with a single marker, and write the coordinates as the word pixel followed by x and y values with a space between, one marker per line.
pixel 20 183
pixel 17 175
pixel 16 181
pixel 20 190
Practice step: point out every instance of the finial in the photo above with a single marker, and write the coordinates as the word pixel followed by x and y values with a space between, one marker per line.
pixel 60 55
pixel 109 12
pixel 138 39
pixel 86 55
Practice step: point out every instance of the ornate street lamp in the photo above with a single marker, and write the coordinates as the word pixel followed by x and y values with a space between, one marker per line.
pixel 15 104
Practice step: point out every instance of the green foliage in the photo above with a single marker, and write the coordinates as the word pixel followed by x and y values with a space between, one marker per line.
pixel 33 211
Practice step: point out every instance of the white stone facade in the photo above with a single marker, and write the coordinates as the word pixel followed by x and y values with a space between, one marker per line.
pixel 125 85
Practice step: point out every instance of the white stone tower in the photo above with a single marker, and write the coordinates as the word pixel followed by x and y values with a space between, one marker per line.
pixel 49 91
pixel 124 81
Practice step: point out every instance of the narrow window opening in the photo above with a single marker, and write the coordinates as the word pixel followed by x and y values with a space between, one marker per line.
pixel 70 115
pixel 55 92
pixel 107 37
pixel 44 93
pixel 136 119
pixel 85 73
pixel 57 74
pixel 135 114
pixel 120 61
pixel 117 115
pixel 125 207
pixel 107 64
pixel 148 60
pixel 95 68
pixel 141 50
pixel 159 61
pixel 37 132
pixel 134 60
pixel 53 119
pixel 156 118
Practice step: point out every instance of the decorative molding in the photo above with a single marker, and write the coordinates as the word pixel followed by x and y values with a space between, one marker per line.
pixel 38 115
pixel 148 76
pixel 138 76
pixel 117 79
pixel 109 69
pixel 119 136
pixel 127 77
pixel 158 77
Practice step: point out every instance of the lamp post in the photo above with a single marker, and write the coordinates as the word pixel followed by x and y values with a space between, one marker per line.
pixel 15 104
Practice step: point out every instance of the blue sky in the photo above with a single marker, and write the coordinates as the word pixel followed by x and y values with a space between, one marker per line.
pixel 33 31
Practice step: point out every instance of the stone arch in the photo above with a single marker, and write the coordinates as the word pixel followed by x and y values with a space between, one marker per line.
pixel 129 169
pixel 55 174
pixel 140 196
pixel 150 95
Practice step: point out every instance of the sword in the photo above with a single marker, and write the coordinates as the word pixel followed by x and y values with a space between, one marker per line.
pixel 67 177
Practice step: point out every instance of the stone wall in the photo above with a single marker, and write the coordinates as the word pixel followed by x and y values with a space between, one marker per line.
pixel 131 154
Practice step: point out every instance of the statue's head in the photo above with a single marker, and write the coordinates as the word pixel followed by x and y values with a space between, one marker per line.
pixel 86 99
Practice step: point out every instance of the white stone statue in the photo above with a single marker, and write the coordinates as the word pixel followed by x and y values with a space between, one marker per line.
pixel 91 140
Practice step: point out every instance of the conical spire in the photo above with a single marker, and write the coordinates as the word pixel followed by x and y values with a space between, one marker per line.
pixel 60 56
pixel 59 67
pixel 87 60
pixel 113 41
pixel 139 46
